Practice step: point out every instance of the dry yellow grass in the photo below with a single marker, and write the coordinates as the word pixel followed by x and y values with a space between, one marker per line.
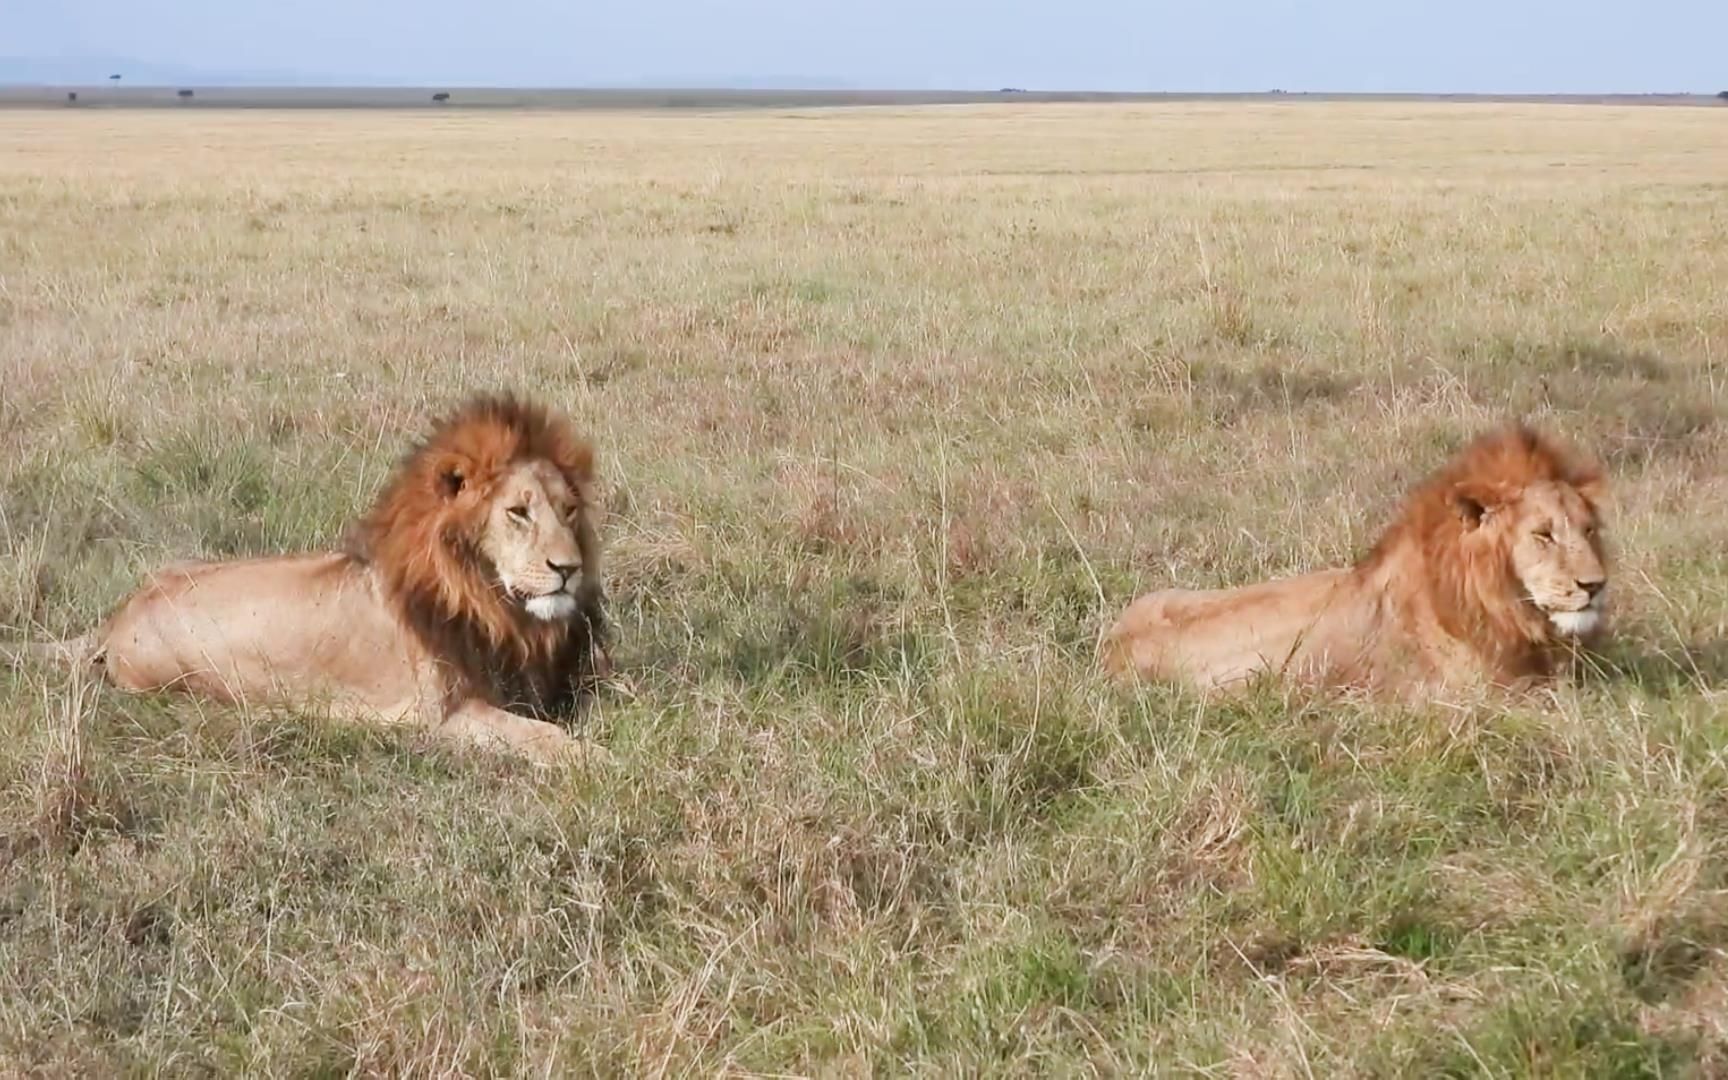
pixel 897 408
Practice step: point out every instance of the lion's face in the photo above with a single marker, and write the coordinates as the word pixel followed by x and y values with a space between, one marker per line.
pixel 530 537
pixel 1551 533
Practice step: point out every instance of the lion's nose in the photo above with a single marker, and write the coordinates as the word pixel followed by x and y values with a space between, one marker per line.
pixel 1593 588
pixel 564 570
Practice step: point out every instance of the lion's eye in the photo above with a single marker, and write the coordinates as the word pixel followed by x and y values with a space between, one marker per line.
pixel 520 513
pixel 1546 536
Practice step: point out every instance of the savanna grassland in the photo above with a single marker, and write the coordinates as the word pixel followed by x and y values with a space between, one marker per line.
pixel 896 409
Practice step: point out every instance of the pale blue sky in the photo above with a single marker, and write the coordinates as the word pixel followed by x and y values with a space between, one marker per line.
pixel 1348 45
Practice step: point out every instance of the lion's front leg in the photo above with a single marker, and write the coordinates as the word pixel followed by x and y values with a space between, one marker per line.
pixel 480 724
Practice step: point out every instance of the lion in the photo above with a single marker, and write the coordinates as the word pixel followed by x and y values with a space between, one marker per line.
pixel 467 601
pixel 1491 574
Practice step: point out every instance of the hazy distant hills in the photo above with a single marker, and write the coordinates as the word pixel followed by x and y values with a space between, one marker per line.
pixel 91 70
pixel 94 70
pixel 37 81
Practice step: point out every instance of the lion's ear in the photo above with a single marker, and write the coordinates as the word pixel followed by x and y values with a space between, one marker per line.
pixel 1593 486
pixel 1477 501
pixel 580 463
pixel 452 477
pixel 577 465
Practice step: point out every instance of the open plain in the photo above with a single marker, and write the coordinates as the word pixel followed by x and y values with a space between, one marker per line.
pixel 896 408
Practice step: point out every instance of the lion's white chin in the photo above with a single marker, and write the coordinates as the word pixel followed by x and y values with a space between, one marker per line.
pixel 1575 623
pixel 552 606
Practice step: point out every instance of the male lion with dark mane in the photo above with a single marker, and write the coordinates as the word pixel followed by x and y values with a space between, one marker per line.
pixel 468 601
pixel 1492 570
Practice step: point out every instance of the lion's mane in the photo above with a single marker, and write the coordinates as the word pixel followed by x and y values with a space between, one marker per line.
pixel 1472 590
pixel 422 537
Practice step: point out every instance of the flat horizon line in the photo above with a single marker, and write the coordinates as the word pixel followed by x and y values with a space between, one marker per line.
pixel 457 96
pixel 793 88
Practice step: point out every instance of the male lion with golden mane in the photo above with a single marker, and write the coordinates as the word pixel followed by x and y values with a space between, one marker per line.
pixel 468 601
pixel 1491 571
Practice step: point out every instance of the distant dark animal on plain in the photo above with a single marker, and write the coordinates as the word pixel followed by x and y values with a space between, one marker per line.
pixel 441 97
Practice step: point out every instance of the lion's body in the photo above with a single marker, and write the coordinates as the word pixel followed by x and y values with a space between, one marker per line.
pixel 1489 575
pixel 298 627
pixel 1217 637
pixel 458 608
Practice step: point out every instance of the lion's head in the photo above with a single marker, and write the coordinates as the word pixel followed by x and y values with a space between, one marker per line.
pixel 485 539
pixel 1550 533
pixel 1511 531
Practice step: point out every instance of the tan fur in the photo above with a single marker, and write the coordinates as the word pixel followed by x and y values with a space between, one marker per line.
pixel 427 619
pixel 1491 571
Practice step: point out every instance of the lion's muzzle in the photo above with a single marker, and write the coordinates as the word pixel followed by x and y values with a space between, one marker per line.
pixel 551 606
pixel 1582 621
